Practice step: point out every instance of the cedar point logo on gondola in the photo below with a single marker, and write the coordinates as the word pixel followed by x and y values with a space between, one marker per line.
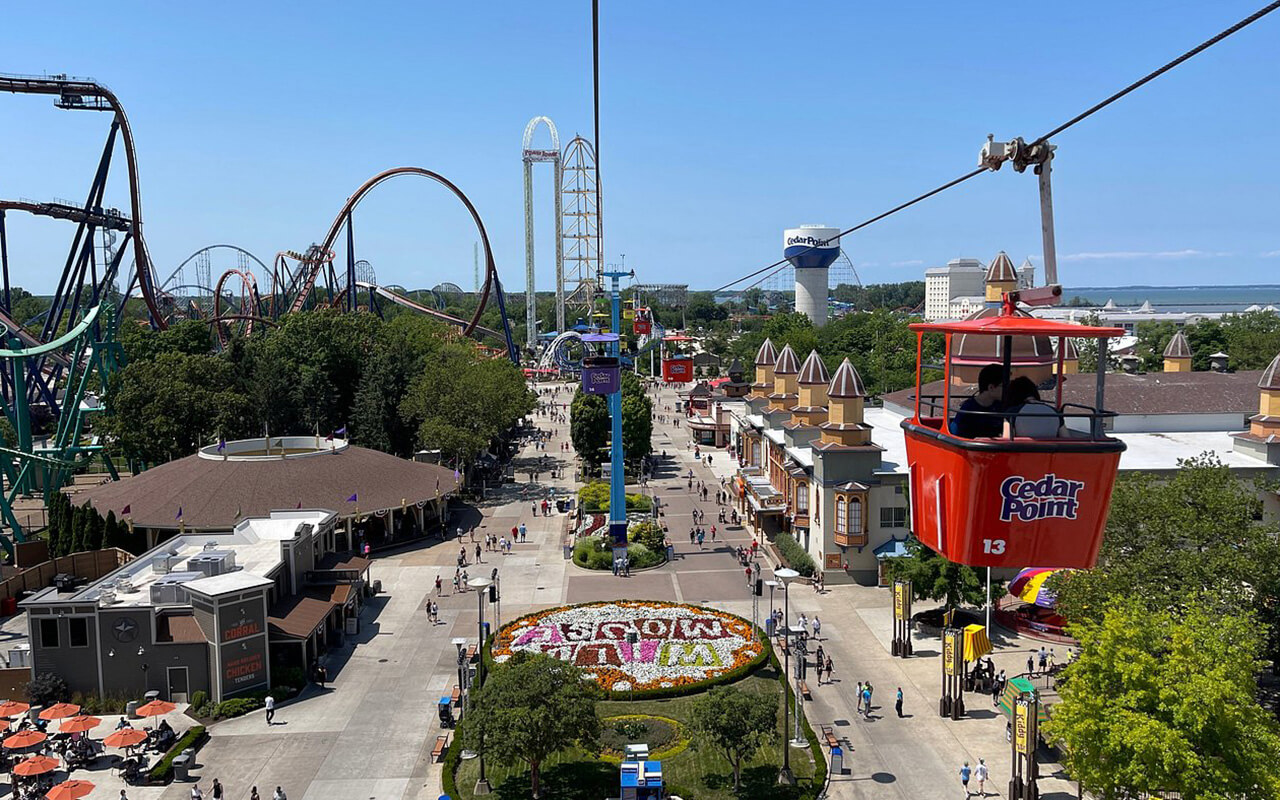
pixel 1049 497
pixel 629 644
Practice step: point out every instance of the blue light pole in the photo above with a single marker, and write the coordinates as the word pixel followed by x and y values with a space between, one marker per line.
pixel 617 480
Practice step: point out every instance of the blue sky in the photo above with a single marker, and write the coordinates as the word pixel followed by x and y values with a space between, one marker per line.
pixel 722 124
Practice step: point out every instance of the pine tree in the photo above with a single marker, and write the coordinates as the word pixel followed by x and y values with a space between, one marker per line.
pixel 111 533
pixel 79 526
pixel 94 530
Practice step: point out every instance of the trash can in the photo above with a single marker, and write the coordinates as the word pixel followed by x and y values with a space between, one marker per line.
pixel 770 624
pixel 377 587
pixel 487 633
pixel 671 553
pixel 837 761
pixel 568 552
pixel 181 767
pixel 131 709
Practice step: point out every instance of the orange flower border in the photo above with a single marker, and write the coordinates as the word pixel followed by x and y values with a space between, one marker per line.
pixel 746 658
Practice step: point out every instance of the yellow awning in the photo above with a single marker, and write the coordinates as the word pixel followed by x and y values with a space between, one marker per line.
pixel 976 643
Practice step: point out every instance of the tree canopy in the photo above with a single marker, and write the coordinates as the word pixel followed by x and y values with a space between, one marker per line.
pixel 933 577
pixel 395 385
pixel 529 708
pixel 735 723
pixel 1165 702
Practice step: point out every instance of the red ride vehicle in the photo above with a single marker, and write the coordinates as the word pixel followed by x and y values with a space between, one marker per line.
pixel 1011 500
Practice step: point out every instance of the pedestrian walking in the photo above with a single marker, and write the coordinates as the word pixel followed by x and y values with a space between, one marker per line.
pixel 748 570
pixel 615 567
pixel 981 773
pixel 478 551
pixel 216 791
pixel 866 701
pixel 439 584
pixel 897 703
pixel 830 668
pixel 626 566
pixel 524 532
pixel 700 538
pixel 858 697
pixel 817 626
pixel 1031 664
pixel 1044 659
pixel 965 774
pixel 279 795
pixel 270 703
pixel 196 794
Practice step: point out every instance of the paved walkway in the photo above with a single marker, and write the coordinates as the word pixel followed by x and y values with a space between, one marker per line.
pixel 370 733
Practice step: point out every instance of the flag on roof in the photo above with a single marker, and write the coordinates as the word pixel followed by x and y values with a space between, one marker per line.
pixel 457 476
pixel 352 498
pixel 126 509
pixel 299 504
pixel 179 513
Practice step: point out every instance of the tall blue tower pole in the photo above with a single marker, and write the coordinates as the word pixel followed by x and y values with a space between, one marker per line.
pixel 617 480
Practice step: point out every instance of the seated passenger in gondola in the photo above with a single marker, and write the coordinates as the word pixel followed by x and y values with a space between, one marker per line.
pixel 979 415
pixel 1029 416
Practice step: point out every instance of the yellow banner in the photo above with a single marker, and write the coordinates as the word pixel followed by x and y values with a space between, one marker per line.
pixel 1021 732
pixel 949 654
pixel 897 600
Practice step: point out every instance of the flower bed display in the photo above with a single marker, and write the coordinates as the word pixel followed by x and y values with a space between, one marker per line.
pixel 678 647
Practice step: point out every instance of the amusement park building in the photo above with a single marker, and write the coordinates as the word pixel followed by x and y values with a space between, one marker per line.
pixel 212 612
pixel 376 497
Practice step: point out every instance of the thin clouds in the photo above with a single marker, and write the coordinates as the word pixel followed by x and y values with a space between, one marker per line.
pixel 915 262
pixel 1271 254
pixel 1131 255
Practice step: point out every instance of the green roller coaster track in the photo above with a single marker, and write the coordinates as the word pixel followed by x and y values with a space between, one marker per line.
pixel 30 468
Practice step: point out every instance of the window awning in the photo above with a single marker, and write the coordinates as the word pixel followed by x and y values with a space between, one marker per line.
pixel 894 548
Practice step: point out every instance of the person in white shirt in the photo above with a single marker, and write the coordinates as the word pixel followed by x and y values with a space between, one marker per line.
pixel 270 703
pixel 982 774
pixel 279 795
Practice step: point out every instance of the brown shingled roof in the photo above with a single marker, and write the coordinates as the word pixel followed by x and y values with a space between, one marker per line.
pixel 787 364
pixel 766 356
pixel 1271 375
pixel 178 628
pixel 1001 270
pixel 1146 393
pixel 846 382
pixel 813 372
pixel 1178 347
pixel 298 616
pixel 215 494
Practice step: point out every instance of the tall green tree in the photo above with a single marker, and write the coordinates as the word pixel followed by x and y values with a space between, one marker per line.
pixel 1166 702
pixel 530 708
pixel 589 426
pixel 933 577
pixel 735 723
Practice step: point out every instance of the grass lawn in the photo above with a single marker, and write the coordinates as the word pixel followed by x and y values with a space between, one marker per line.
pixel 697 772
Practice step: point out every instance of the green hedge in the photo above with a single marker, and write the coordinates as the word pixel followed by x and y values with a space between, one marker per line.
pixel 163 770
pixel 796 556
pixel 452 755
pixel 594 552
pixel 594 497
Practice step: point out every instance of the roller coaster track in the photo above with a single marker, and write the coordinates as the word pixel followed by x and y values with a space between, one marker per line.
pixel 99 217
pixel 401 300
pixel 77 93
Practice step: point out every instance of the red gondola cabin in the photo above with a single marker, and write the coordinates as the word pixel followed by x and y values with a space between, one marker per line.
pixel 1011 500
pixel 677 369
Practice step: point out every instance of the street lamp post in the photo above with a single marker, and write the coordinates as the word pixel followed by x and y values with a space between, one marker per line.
pixel 461 644
pixel 480 585
pixel 786 576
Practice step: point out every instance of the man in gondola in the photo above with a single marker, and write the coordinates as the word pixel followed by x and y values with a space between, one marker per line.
pixel 978 415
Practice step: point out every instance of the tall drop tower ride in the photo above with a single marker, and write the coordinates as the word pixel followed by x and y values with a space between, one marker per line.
pixel 811 249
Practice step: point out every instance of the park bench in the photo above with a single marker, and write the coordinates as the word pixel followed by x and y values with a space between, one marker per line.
pixel 829 736
pixel 471 652
pixel 782 645
pixel 455 695
pixel 804 691
pixel 442 744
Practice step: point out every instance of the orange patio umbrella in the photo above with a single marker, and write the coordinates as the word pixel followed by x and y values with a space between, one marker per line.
pixel 156 708
pixel 12 708
pixel 60 711
pixel 36 765
pixel 70 790
pixel 24 739
pixel 79 724
pixel 125 737
pixel 4 725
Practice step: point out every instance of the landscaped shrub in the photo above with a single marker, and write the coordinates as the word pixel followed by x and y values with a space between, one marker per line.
pixel 796 556
pixel 648 534
pixel 47 688
pixel 96 704
pixel 163 770
pixel 594 552
pixel 595 497
pixel 199 699
pixel 237 707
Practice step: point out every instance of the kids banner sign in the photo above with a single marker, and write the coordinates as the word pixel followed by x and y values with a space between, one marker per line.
pixel 674 644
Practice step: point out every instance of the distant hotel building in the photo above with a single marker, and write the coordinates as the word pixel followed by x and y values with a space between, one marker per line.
pixel 956 290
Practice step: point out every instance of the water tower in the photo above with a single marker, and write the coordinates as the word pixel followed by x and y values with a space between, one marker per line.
pixel 811 249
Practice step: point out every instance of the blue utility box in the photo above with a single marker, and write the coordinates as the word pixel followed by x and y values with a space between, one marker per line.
pixel 642 780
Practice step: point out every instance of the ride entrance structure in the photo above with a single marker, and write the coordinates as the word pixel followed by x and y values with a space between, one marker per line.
pixel 1011 499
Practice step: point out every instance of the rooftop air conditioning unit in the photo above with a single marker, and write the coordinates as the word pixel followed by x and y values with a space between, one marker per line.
pixel 162 564
pixel 125 586
pixel 169 589
pixel 211 544
pixel 212 562
pixel 108 597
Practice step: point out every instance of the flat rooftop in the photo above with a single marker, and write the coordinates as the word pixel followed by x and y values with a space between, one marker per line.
pixel 254 542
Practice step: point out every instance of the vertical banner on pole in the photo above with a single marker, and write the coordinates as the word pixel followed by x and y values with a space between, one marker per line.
pixel 952 702
pixel 901 644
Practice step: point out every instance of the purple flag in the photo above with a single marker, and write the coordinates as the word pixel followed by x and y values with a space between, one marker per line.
pixel 222 444
pixel 341 431
pixel 179 513
pixel 352 498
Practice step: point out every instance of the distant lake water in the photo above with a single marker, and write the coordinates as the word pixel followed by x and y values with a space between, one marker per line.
pixel 1180 298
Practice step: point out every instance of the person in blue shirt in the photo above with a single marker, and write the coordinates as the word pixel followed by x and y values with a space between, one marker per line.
pixel 965 774
pixel 970 422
